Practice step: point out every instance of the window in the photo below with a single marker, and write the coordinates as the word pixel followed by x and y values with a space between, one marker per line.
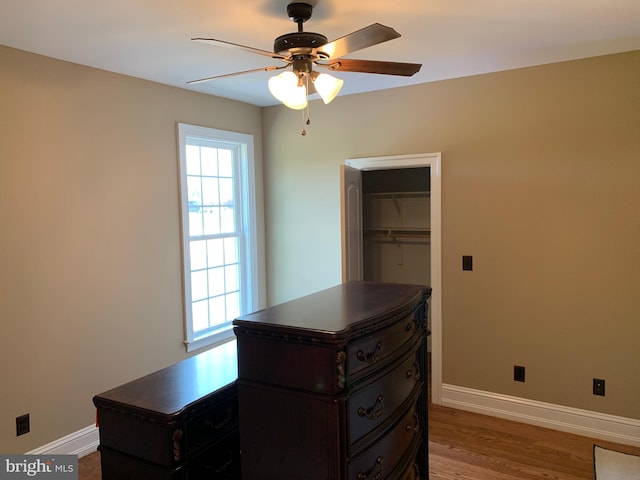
pixel 218 231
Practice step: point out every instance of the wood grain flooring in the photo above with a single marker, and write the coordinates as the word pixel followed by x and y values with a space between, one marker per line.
pixel 464 445
pixel 89 467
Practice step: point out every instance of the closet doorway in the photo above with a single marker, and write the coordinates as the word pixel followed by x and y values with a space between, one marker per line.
pixel 391 230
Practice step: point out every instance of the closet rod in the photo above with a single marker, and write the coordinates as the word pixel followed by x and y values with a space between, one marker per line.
pixel 390 233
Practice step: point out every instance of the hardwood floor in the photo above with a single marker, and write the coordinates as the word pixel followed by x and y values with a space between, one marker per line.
pixel 464 445
pixel 89 467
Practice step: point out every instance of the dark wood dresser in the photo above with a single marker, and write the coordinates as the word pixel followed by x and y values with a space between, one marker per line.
pixel 333 385
pixel 178 423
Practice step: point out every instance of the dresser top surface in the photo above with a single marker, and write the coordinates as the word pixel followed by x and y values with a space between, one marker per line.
pixel 170 390
pixel 336 311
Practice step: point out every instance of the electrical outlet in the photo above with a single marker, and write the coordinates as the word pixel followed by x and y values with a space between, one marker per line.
pixel 518 373
pixel 22 425
pixel 467 262
pixel 598 386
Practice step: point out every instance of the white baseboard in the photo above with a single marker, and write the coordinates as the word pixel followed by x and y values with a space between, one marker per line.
pixel 573 420
pixel 81 443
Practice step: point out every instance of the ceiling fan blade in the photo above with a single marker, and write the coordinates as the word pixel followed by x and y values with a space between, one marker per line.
pixel 363 38
pixel 224 43
pixel 215 77
pixel 373 66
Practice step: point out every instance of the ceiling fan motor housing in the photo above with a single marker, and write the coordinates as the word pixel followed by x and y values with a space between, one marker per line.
pixel 298 43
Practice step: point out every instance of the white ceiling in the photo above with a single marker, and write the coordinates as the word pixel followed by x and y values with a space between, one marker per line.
pixel 150 39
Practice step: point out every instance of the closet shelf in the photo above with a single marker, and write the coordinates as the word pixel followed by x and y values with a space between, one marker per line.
pixel 398 232
pixel 418 194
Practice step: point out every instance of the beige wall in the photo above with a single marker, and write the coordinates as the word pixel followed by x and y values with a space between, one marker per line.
pixel 540 174
pixel 90 290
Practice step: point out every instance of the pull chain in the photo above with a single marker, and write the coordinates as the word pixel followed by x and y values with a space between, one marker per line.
pixel 304 131
pixel 307 120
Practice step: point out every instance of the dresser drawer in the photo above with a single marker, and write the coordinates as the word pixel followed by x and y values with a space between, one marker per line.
pixel 173 441
pixel 125 431
pixel 382 458
pixel 219 462
pixel 374 404
pixel 120 466
pixel 371 351
pixel 211 424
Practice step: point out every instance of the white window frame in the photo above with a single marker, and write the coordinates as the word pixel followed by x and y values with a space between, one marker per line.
pixel 246 208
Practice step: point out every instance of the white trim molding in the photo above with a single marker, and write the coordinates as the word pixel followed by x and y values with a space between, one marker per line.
pixel 80 443
pixel 567 419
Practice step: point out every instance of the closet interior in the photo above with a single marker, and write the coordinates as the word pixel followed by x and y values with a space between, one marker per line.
pixel 396 208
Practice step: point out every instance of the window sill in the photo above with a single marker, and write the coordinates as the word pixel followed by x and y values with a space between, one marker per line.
pixel 209 341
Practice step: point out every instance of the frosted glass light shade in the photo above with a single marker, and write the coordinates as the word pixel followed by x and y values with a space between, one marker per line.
pixel 327 86
pixel 285 87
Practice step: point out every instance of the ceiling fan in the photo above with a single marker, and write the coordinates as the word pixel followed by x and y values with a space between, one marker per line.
pixel 302 50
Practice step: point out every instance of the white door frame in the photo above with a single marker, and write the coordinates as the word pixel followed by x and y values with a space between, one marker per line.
pixel 433 161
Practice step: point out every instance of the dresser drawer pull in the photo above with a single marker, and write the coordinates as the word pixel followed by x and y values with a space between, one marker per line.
pixel 220 424
pixel 414 428
pixel 371 413
pixel 414 372
pixel 371 474
pixel 372 357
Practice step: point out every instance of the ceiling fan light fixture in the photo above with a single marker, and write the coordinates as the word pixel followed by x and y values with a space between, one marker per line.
pixel 287 88
pixel 327 86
